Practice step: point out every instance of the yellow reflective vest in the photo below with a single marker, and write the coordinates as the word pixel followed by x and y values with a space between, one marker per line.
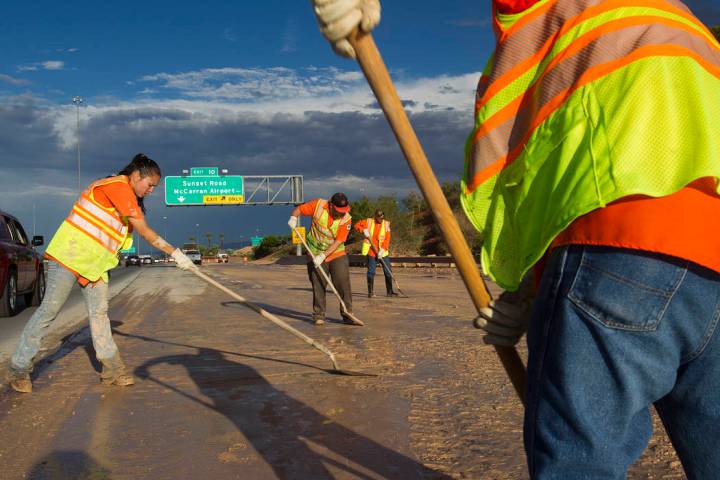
pixel 585 102
pixel 91 236
pixel 321 236
pixel 384 227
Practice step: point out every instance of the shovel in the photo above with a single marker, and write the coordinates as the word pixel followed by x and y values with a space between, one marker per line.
pixel 343 307
pixel 336 368
pixel 381 84
pixel 385 267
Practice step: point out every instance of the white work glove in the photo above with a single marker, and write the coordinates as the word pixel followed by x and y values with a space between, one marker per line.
pixel 366 232
pixel 381 253
pixel 319 259
pixel 505 320
pixel 338 18
pixel 293 222
pixel 181 260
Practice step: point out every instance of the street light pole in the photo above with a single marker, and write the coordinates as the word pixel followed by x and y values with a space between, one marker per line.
pixel 165 231
pixel 197 235
pixel 77 101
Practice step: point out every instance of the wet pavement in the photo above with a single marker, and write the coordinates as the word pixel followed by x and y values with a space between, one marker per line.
pixel 222 393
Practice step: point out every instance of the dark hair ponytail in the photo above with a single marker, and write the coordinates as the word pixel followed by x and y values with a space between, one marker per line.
pixel 146 166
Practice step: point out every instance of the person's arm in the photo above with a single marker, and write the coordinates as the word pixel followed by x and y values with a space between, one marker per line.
pixel 361 226
pixel 144 230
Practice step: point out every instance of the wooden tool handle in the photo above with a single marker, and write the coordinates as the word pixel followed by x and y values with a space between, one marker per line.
pixel 379 79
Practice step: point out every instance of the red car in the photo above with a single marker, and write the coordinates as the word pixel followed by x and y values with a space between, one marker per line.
pixel 21 267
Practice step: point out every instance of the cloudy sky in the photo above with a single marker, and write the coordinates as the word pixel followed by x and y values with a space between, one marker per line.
pixel 247 86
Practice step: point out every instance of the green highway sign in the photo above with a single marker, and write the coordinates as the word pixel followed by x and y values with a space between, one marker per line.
pixel 204 171
pixel 204 190
pixel 256 241
pixel 129 250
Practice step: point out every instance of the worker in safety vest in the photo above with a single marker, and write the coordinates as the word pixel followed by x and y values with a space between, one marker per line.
pixel 82 251
pixel 331 222
pixel 376 244
pixel 595 157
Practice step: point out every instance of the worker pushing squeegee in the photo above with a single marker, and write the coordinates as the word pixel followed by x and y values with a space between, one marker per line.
pixel 331 223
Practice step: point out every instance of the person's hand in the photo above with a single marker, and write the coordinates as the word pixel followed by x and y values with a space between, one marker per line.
pixel 182 261
pixel 338 18
pixel 366 232
pixel 319 259
pixel 506 319
pixel 381 253
pixel 293 222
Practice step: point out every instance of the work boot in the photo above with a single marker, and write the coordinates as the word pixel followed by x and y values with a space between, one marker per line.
pixel 20 382
pixel 389 288
pixel 113 372
pixel 318 320
pixel 371 284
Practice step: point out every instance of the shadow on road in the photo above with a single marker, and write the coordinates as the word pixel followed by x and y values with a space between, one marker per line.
pixel 70 465
pixel 294 439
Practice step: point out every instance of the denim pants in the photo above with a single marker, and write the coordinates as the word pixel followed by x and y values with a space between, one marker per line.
pixel 59 283
pixel 613 332
pixel 372 265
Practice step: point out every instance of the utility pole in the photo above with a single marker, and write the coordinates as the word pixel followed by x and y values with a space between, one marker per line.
pixel 77 101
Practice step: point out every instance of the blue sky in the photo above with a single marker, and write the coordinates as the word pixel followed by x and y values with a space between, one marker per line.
pixel 247 86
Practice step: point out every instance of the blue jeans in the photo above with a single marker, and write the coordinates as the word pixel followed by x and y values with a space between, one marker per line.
pixel 372 265
pixel 59 284
pixel 613 332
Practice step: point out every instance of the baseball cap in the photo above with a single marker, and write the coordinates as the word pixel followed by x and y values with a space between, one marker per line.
pixel 340 202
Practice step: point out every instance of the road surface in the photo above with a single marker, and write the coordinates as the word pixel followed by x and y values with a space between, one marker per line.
pixel 224 394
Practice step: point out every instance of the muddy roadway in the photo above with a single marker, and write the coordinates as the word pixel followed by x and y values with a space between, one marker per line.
pixel 222 393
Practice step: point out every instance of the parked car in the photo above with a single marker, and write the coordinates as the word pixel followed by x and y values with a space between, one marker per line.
pixel 21 267
pixel 195 256
pixel 132 260
pixel 222 258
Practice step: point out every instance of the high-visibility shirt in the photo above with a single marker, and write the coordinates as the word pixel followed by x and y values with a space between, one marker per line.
pixel 379 234
pixel 673 225
pixel 95 230
pixel 584 103
pixel 324 229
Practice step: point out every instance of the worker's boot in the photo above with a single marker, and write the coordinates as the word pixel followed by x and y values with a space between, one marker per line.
pixel 389 288
pixel 371 284
pixel 113 372
pixel 20 382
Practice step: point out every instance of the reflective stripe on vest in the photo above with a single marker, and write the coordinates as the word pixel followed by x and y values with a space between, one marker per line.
pixel 384 225
pixel 91 236
pixel 321 236
pixel 586 102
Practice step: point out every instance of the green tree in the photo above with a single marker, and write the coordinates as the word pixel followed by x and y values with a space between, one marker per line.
pixel 209 237
pixel 716 31
pixel 270 244
pixel 222 240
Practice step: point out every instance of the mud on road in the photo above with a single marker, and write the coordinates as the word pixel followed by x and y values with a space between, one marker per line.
pixel 223 393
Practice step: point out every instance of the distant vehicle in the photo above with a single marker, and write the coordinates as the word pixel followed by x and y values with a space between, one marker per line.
pixel 195 256
pixel 21 267
pixel 146 259
pixel 223 258
pixel 132 260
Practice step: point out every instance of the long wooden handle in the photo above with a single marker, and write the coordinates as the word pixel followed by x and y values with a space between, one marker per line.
pixel 343 307
pixel 379 79
pixel 269 316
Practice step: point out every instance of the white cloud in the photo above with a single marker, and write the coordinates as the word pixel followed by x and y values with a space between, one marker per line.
pixel 12 80
pixel 46 65
pixel 53 65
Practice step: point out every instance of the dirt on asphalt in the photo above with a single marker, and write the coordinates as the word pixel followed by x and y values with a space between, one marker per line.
pixel 223 393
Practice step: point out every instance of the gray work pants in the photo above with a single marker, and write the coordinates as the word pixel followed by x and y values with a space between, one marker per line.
pixel 339 270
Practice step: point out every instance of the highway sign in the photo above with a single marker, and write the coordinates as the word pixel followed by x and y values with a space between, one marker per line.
pixel 204 171
pixel 204 190
pixel 256 241
pixel 295 238
pixel 129 250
